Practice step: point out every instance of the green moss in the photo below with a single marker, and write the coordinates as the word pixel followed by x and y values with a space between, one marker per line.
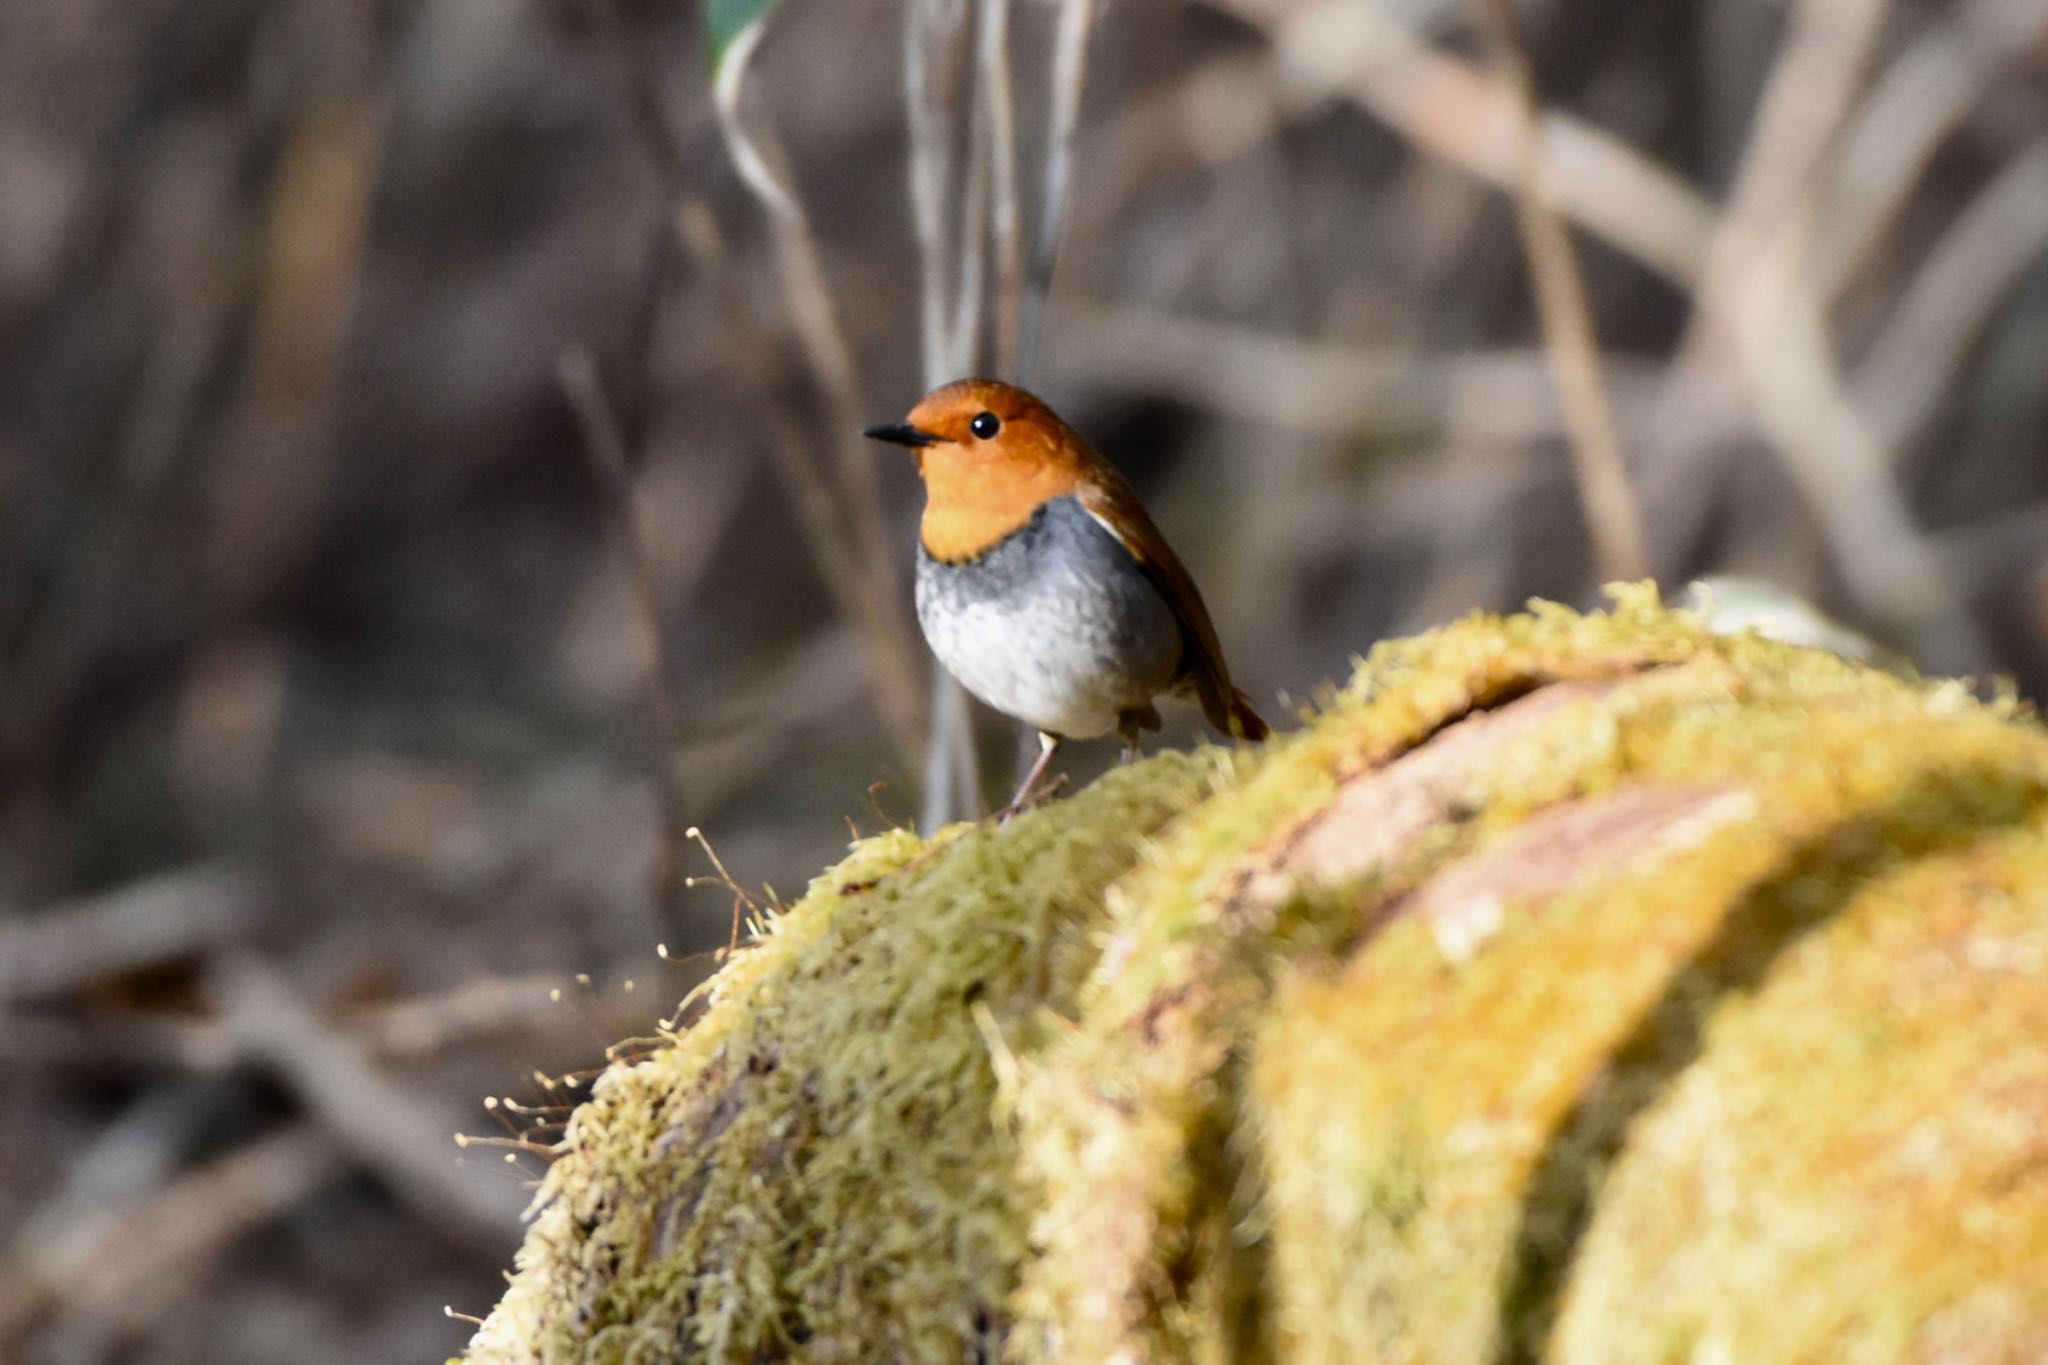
pixel 813 1160
pixel 1585 986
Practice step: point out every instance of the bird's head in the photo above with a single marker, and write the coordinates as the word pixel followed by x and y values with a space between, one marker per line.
pixel 991 456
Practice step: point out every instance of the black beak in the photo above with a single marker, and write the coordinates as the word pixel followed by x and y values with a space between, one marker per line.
pixel 902 434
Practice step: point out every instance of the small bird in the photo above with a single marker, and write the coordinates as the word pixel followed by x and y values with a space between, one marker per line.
pixel 1041 583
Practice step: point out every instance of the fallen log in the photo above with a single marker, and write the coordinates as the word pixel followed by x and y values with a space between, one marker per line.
pixel 1574 987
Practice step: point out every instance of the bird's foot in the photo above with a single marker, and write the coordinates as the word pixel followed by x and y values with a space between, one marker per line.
pixel 1029 800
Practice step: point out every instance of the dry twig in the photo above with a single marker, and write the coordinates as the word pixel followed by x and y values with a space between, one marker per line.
pixel 404 1138
pixel 874 588
pixel 137 925
pixel 1970 272
pixel 1921 98
pixel 1450 109
pixel 1324 388
pixel 1069 78
pixel 604 442
pixel 934 41
pixel 1760 296
pixel 130 1262
pixel 1609 504
pixel 992 65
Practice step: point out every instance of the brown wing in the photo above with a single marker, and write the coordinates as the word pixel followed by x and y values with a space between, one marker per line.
pixel 1109 500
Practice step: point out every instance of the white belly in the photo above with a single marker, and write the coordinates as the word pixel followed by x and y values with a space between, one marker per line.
pixel 1057 626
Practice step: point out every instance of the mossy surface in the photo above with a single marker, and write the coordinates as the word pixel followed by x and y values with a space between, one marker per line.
pixel 1581 987
pixel 1439 1133
pixel 812 1165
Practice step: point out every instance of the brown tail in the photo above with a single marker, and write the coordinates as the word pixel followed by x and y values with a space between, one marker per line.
pixel 1245 722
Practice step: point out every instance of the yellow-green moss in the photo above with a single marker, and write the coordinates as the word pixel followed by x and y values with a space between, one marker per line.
pixel 1326 1050
pixel 814 1159
pixel 1491 1095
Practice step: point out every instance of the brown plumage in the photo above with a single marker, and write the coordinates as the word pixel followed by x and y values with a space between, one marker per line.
pixel 1043 585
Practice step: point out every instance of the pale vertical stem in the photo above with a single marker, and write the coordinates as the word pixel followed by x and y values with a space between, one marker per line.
pixel 884 626
pixel 929 28
pixel 1005 223
pixel 1069 77
pixel 933 30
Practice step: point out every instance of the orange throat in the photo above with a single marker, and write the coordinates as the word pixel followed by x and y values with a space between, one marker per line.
pixel 972 504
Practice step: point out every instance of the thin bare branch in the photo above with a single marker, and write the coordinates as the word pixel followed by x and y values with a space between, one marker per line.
pixel 1795 385
pixel 1450 109
pixel 971 288
pixel 1005 216
pixel 137 925
pixel 1325 388
pixel 1918 102
pixel 1759 295
pixel 1970 272
pixel 1609 504
pixel 405 1138
pixel 1069 78
pixel 934 44
pixel 893 658
pixel 934 32
pixel 604 443
pixel 129 1262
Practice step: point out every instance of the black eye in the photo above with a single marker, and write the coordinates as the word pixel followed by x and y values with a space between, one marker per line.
pixel 985 425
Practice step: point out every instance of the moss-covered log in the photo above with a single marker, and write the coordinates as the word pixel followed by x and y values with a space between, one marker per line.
pixel 1580 988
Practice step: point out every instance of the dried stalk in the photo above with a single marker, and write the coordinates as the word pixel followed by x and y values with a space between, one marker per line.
pixel 1760 296
pixel 400 1135
pixel 604 443
pixel 1609 504
pixel 1920 100
pixel 885 625
pixel 934 35
pixel 1448 108
pixel 1069 77
pixel 1971 271
pixel 1005 218
pixel 1321 388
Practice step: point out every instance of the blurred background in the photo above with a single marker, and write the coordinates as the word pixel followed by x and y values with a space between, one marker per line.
pixel 429 486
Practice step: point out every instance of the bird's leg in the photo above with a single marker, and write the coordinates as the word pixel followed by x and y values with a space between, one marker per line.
pixel 1131 724
pixel 1128 732
pixel 1048 745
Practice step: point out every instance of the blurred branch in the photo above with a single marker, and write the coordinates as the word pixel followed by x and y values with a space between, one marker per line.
pixel 1921 98
pixel 934 43
pixel 894 661
pixel 408 1030
pixel 1324 388
pixel 1448 108
pixel 1609 504
pixel 1760 296
pixel 934 33
pixel 604 443
pixel 789 446
pixel 1830 451
pixel 137 925
pixel 1996 548
pixel 837 502
pixel 404 1138
pixel 1806 95
pixel 63 633
pixel 131 1262
pixel 1005 217
pixel 1195 124
pixel 1966 277
pixel 1069 77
